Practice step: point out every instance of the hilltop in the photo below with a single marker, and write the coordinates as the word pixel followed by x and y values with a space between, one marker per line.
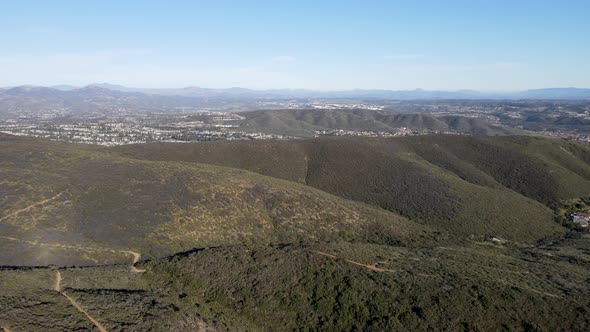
pixel 306 122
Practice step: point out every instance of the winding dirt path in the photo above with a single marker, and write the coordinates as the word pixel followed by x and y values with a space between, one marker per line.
pixel 368 266
pixel 134 255
pixel 32 206
pixel 57 288
pixel 58 278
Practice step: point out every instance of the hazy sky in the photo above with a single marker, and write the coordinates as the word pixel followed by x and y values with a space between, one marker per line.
pixel 485 45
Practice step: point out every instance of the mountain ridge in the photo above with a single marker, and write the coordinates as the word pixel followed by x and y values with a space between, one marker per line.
pixel 92 198
pixel 470 185
pixel 385 94
pixel 305 122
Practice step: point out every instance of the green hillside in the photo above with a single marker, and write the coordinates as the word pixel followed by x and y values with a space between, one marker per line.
pixel 72 204
pixel 313 235
pixel 305 122
pixel 543 169
pixel 481 186
pixel 321 287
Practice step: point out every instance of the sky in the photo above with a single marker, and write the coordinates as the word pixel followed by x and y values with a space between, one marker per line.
pixel 321 45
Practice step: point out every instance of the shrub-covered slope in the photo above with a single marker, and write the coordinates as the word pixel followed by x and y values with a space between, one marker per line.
pixel 340 258
pixel 306 121
pixel 322 287
pixel 482 186
pixel 71 204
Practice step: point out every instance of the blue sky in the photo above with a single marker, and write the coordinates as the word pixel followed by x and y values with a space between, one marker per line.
pixel 327 45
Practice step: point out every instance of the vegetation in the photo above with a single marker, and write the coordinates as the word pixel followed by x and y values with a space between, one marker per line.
pixel 305 122
pixel 419 233
pixel 565 209
pixel 88 201
pixel 475 287
pixel 471 186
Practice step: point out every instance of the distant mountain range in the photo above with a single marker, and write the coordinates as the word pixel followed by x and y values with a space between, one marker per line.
pixel 89 98
pixel 236 92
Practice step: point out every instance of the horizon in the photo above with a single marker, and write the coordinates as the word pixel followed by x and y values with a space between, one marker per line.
pixel 332 46
pixel 113 86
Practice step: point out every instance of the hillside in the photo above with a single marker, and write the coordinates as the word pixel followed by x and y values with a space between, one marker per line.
pixel 306 122
pixel 321 287
pixel 482 186
pixel 71 204
pixel 317 235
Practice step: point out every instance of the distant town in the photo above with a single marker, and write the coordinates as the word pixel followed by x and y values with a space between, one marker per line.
pixel 403 131
pixel 111 131
pixel 96 115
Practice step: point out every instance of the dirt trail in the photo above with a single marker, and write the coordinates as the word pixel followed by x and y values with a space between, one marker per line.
pixel 135 255
pixel 32 206
pixel 543 293
pixel 566 151
pixel 57 285
pixel 57 288
pixel 82 310
pixel 368 266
